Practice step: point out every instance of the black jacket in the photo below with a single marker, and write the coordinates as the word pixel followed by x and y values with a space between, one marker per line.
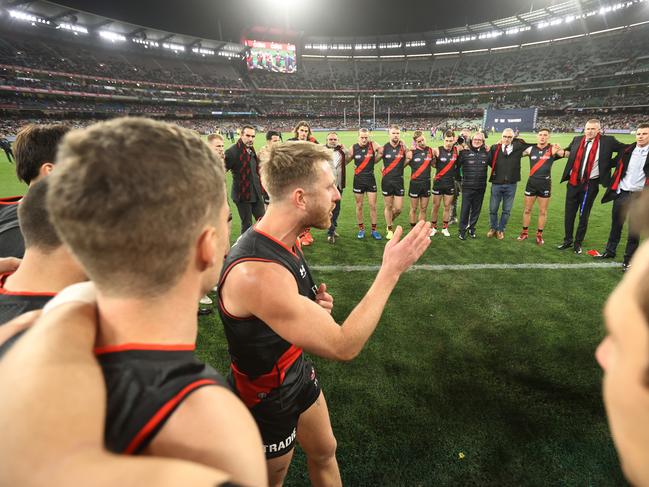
pixel 473 164
pixel 233 163
pixel 506 169
pixel 621 167
pixel 607 146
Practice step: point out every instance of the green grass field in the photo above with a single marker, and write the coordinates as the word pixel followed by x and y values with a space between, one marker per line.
pixel 472 377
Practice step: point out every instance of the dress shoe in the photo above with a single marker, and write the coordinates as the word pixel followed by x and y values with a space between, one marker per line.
pixel 605 255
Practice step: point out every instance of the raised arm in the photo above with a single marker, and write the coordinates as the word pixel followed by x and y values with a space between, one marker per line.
pixel 286 311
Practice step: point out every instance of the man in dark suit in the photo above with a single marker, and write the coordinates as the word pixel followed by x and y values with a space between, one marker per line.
pixel 247 191
pixel 589 164
pixel 630 178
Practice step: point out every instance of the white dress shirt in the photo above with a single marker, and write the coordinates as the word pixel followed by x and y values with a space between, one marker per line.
pixel 634 179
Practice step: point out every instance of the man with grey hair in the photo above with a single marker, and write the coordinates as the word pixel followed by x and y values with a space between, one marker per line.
pixel 590 159
pixel 505 161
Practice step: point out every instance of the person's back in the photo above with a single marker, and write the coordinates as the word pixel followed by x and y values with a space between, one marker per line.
pixel 46 268
pixel 149 278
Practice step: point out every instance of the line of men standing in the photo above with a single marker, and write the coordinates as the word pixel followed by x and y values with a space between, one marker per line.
pixel 466 160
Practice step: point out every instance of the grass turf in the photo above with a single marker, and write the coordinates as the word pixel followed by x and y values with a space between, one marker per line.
pixel 472 377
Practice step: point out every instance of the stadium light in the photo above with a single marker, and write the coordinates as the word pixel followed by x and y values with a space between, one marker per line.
pixel 111 36
pixel 173 47
pixel 25 17
pixel 77 29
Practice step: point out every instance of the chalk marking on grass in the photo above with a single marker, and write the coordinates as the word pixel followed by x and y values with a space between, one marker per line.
pixel 470 267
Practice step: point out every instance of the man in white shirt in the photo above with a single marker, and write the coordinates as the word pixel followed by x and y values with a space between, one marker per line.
pixel 630 178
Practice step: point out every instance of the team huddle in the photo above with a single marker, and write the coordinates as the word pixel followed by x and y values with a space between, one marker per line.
pixel 147 239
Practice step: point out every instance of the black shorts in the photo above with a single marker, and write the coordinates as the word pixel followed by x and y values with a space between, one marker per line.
pixel 419 189
pixel 277 415
pixel 392 187
pixel 364 184
pixel 443 187
pixel 538 187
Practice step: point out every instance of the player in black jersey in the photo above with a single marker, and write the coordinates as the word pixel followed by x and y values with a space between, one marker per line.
pixel 394 160
pixel 445 161
pixel 421 160
pixel 365 154
pixel 267 335
pixel 57 368
pixel 542 156
pixel 47 266
pixel 118 223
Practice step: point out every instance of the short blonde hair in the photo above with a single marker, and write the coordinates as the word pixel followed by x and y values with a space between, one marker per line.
pixel 130 197
pixel 291 165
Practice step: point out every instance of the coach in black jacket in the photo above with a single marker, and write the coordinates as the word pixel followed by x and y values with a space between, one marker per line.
pixel 473 164
pixel 585 171
pixel 630 178
pixel 242 160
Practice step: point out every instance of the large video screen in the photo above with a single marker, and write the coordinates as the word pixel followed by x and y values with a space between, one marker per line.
pixel 523 119
pixel 275 57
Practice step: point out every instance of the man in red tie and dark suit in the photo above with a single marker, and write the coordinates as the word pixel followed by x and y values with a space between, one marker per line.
pixel 589 164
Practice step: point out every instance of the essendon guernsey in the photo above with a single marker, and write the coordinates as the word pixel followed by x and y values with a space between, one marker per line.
pixel 364 159
pixel 394 159
pixel 421 164
pixel 262 362
pixel 541 161
pixel 446 166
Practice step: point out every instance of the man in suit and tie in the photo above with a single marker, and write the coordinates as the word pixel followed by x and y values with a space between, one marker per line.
pixel 589 165
pixel 247 192
pixel 630 178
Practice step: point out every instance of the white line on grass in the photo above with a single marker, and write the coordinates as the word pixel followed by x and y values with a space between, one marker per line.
pixel 469 267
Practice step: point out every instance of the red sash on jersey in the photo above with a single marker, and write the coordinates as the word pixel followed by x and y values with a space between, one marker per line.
pixel 424 165
pixel 397 160
pixel 448 166
pixel 253 390
pixel 366 161
pixel 542 161
pixel 576 165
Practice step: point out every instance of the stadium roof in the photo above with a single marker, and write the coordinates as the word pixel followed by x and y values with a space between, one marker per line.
pixel 198 24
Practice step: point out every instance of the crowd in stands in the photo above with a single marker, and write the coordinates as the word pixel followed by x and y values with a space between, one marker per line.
pixel 40 77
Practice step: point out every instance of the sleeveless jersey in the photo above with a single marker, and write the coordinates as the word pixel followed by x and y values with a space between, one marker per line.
pixel 364 159
pixel 445 157
pixel 392 169
pixel 422 160
pixel 13 304
pixel 544 170
pixel 145 383
pixel 261 360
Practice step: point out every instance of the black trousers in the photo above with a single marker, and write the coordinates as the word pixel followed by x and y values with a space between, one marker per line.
pixel 247 210
pixel 471 207
pixel 9 153
pixel 334 216
pixel 620 211
pixel 579 200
